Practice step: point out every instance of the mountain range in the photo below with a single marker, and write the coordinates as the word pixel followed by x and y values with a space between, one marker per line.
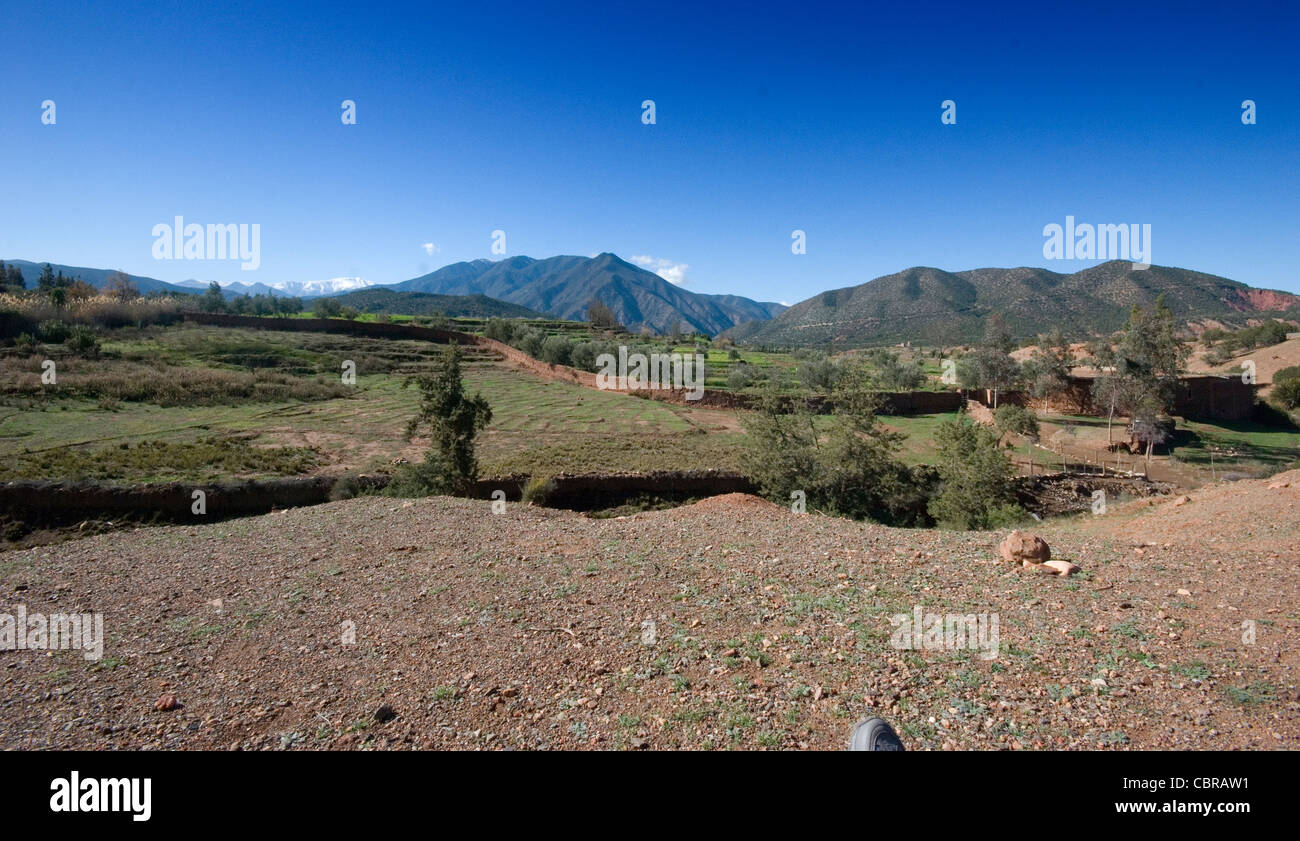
pixel 291 288
pixel 921 304
pixel 561 287
pixel 935 307
pixel 564 286
pixel 384 299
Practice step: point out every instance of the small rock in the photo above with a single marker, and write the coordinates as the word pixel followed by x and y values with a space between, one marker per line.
pixel 1021 547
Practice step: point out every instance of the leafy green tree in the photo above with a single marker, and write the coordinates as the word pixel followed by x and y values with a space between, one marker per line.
pixel 1139 372
pixel 47 280
pixel 1011 419
pixel 1286 387
pixel 1047 371
pixel 453 420
pixel 820 374
pixel 213 300
pixel 781 452
pixel 990 366
pixel 499 329
pixel 892 374
pixel 976 478
pixel 326 308
pixel 557 350
pixel 848 466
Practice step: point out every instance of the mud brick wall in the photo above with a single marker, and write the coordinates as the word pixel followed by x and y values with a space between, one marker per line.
pixel 54 502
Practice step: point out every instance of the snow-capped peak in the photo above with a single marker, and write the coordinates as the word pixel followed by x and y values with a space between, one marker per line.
pixel 321 287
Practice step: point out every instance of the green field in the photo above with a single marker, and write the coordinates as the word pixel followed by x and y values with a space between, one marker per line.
pixel 197 403
pixel 537 426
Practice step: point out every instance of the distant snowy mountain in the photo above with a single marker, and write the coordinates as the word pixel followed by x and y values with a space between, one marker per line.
pixel 333 286
pixel 291 288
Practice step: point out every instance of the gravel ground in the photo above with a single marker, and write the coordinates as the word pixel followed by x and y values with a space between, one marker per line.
pixel 527 630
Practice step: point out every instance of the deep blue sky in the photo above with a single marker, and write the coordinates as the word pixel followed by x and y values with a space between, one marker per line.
pixel 771 117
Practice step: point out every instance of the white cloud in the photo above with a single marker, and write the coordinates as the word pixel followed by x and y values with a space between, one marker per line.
pixel 674 273
pixel 430 248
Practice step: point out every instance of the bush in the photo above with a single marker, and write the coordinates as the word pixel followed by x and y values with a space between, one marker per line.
pixel 1287 393
pixel 54 332
pixel 557 350
pixel 530 342
pixel 347 486
pixel 1289 373
pixel 852 469
pixel 976 478
pixel 26 344
pixel 82 342
pixel 454 421
pixel 536 489
pixel 892 374
pixel 820 374
pixel 499 329
pixel 744 375
pixel 326 308
pixel 1011 419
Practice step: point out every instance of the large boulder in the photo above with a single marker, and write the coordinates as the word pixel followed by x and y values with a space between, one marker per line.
pixel 1024 548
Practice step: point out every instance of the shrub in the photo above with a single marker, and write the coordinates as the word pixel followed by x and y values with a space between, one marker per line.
pixel 1291 372
pixel 82 342
pixel 557 350
pixel 26 344
pixel 1010 419
pixel 744 375
pixel 453 420
pixel 347 486
pixel 820 374
pixel 54 332
pixel 975 475
pixel 326 308
pixel 536 489
pixel 499 329
pixel 892 374
pixel 852 469
pixel 1287 393
pixel 530 342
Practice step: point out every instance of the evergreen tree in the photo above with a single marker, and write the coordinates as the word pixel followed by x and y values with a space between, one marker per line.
pixel 454 421
pixel 976 476
pixel 990 366
pixel 213 300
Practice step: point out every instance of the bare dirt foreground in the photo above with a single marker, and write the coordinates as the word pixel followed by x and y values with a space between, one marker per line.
pixel 770 629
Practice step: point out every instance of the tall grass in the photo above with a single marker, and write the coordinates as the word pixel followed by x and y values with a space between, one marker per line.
pixel 162 384
pixel 103 311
